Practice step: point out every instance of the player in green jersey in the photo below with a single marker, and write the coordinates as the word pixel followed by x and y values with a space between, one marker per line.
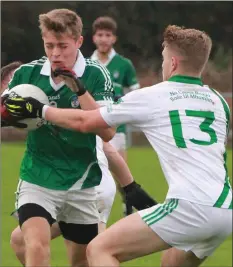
pixel 60 167
pixel 108 158
pixel 60 170
pixel 122 73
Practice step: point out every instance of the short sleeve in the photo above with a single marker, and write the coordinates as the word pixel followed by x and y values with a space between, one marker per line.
pixel 130 109
pixel 103 87
pixel 130 80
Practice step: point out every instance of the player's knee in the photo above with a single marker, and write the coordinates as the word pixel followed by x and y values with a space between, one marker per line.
pixel 165 262
pixel 95 248
pixel 37 243
pixel 90 251
pixel 167 259
pixel 16 240
pixel 38 247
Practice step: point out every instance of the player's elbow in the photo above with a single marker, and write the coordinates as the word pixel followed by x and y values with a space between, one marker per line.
pixel 111 133
pixel 77 126
pixel 107 134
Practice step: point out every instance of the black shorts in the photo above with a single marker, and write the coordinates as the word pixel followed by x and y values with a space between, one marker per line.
pixel 77 233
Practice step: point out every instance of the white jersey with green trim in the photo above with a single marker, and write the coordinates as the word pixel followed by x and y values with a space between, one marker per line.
pixel 187 125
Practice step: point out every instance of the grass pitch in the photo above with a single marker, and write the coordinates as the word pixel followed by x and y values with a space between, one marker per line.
pixel 146 170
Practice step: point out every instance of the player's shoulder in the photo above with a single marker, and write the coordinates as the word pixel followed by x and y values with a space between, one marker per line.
pixel 94 64
pixel 31 66
pixel 150 93
pixel 222 101
pixel 123 60
pixel 93 67
pixel 159 87
pixel 144 92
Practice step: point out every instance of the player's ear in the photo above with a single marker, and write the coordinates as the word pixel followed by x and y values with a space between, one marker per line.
pixel 114 39
pixel 174 63
pixel 94 38
pixel 79 42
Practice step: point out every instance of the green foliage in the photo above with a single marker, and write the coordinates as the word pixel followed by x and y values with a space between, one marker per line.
pixel 140 25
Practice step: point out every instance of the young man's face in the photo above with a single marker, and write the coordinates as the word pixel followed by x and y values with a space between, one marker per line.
pixel 169 64
pixel 62 51
pixel 104 40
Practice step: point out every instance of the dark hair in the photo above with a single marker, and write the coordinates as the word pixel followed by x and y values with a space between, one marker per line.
pixel 104 23
pixel 6 70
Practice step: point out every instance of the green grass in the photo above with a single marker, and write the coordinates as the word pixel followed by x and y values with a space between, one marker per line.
pixel 146 170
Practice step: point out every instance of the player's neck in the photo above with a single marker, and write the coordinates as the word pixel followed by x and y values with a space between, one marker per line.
pixel 103 57
pixel 186 73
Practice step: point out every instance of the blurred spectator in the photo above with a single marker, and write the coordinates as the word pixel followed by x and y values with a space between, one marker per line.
pixel 10 133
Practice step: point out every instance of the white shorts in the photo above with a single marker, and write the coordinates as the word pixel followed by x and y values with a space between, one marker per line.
pixel 106 192
pixel 72 206
pixel 189 226
pixel 119 141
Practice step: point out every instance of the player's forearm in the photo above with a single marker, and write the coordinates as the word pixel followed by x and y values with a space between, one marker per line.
pixel 66 118
pixel 78 120
pixel 87 102
pixel 117 165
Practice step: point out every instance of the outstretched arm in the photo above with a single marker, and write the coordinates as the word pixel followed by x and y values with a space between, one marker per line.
pixel 79 120
pixel 132 108
pixel 87 102
pixel 134 194
pixel 117 165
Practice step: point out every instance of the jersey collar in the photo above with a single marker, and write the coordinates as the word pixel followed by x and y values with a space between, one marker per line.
pixel 111 55
pixel 79 66
pixel 185 79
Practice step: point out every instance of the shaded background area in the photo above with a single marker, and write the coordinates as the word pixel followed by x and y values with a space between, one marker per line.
pixel 140 28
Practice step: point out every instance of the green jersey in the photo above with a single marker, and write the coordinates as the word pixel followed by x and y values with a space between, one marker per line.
pixel 123 75
pixel 57 158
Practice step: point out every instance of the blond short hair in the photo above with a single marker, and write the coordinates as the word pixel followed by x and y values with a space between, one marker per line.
pixel 61 21
pixel 193 46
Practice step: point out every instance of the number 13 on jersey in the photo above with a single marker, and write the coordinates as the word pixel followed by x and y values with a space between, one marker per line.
pixel 205 126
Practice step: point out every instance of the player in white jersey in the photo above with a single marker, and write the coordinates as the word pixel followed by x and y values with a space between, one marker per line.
pixel 187 125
